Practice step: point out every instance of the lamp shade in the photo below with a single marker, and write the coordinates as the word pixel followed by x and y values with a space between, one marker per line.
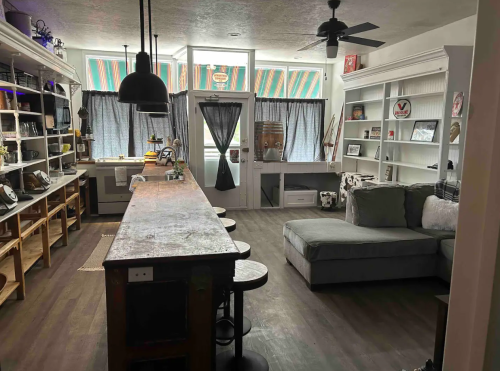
pixel 152 108
pixel 142 86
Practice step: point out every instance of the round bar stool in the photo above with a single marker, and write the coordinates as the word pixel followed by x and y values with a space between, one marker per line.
pixel 249 275
pixel 229 224
pixel 244 249
pixel 224 328
pixel 220 211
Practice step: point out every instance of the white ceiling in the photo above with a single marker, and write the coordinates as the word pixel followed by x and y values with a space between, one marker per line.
pixel 265 25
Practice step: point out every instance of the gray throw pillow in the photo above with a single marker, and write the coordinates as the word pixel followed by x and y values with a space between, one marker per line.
pixel 378 206
pixel 415 196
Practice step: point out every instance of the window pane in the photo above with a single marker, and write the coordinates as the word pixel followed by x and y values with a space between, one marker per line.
pixel 209 140
pixel 304 83
pixel 212 165
pixel 270 82
pixel 216 70
pixel 105 74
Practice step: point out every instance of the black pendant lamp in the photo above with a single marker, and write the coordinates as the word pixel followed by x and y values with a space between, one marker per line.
pixel 142 86
pixel 154 110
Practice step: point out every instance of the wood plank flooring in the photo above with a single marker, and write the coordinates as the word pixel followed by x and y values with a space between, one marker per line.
pixel 365 326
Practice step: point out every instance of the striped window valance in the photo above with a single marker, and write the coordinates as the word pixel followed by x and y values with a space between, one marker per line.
pixel 106 74
pixel 303 83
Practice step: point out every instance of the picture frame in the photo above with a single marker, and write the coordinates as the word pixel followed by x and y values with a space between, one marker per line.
pixel 388 173
pixel 377 154
pixel 424 131
pixel 375 132
pixel 358 112
pixel 353 150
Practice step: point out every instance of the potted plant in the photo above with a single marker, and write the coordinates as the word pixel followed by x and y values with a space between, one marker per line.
pixel 3 152
pixel 178 170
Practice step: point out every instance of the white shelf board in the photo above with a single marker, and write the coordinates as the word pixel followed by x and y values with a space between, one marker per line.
pixel 420 95
pixel 55 94
pixel 11 111
pixel 412 142
pixel 59 135
pixel 361 158
pixel 363 140
pixel 357 121
pixel 19 88
pixel 416 119
pixel 23 138
pixel 13 167
pixel 365 101
pixel 64 154
pixel 410 165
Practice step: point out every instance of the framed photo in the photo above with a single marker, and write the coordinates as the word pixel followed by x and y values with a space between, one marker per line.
pixel 375 133
pixel 377 154
pixel 388 173
pixel 358 112
pixel 424 131
pixel 353 149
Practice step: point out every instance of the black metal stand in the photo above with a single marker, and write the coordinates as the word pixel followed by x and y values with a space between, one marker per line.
pixel 240 360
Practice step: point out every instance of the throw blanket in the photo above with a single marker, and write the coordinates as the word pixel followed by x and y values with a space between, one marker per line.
pixel 447 190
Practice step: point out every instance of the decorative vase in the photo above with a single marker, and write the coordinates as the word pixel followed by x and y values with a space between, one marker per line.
pixel 181 177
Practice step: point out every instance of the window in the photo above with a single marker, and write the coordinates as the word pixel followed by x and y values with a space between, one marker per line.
pixel 220 70
pixel 107 73
pixel 104 73
pixel 270 82
pixel 304 83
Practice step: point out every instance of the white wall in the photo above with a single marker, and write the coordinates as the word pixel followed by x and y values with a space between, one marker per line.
pixel 75 58
pixel 457 33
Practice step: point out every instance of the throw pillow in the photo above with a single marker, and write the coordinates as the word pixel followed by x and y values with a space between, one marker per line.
pixel 378 206
pixel 440 214
pixel 447 189
pixel 415 196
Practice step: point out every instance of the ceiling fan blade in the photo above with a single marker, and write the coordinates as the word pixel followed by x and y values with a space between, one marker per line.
pixel 359 28
pixel 361 41
pixel 312 45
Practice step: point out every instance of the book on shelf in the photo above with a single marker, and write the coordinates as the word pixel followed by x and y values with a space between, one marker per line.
pixel 351 63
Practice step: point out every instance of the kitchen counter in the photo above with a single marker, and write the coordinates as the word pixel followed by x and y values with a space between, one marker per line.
pixel 166 271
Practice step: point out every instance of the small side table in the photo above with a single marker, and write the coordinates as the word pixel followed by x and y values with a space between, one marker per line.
pixel 442 320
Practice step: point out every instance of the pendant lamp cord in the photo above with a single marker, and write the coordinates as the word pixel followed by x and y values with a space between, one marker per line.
pixel 141 15
pixel 156 52
pixel 126 60
pixel 150 36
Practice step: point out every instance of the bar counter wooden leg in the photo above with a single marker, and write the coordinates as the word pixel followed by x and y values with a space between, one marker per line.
pixel 14 224
pixel 64 226
pixel 44 210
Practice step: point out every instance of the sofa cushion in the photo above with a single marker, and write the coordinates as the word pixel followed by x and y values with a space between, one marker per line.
pixel 415 196
pixel 378 206
pixel 447 249
pixel 436 233
pixel 329 239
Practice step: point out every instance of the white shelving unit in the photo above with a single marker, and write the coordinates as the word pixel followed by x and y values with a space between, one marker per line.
pixel 430 81
pixel 22 53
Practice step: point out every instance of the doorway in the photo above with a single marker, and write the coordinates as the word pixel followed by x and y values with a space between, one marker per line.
pixel 206 155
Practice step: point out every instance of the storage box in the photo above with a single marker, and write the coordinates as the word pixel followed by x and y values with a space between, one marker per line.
pixel 301 198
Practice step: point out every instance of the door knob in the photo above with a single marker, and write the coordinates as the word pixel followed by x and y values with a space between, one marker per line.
pixel 243 160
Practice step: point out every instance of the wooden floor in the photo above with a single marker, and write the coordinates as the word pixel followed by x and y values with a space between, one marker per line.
pixel 369 326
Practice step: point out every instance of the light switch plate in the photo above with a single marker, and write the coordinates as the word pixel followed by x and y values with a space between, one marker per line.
pixel 142 274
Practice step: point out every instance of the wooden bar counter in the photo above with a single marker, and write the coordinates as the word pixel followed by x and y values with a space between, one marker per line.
pixel 165 270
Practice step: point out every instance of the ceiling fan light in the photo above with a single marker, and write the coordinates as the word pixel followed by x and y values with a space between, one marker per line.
pixel 332 47
pixel 142 86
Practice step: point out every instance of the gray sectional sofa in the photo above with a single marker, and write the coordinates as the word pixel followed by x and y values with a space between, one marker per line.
pixel 382 238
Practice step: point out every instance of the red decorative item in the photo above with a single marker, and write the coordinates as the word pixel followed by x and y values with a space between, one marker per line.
pixel 457 105
pixel 234 156
pixel 351 63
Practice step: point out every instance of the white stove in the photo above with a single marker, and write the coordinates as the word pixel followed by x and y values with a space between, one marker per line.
pixel 113 199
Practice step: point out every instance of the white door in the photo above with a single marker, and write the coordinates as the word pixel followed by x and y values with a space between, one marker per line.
pixel 207 157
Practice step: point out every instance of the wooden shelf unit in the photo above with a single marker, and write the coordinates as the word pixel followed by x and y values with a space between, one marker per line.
pixel 34 227
pixel 430 81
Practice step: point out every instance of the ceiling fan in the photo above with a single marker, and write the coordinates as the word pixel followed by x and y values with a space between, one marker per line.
pixel 334 31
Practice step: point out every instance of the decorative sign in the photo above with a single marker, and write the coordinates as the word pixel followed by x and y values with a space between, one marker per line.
pixel 457 105
pixel 234 156
pixel 375 133
pixel 402 109
pixel 220 77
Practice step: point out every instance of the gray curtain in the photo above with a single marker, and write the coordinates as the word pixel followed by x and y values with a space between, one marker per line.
pixel 118 127
pixel 222 119
pixel 180 122
pixel 303 121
